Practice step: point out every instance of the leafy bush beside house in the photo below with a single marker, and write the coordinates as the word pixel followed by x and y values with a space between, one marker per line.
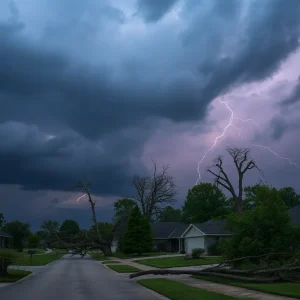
pixel 197 252
pixel 7 258
pixel 266 228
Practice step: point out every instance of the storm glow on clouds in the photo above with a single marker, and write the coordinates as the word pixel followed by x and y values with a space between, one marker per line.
pixel 99 87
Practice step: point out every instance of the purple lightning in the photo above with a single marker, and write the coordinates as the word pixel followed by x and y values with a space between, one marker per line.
pixel 232 117
pixel 80 197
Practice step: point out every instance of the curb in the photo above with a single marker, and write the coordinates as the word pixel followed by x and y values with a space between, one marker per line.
pixel 24 278
pixel 19 281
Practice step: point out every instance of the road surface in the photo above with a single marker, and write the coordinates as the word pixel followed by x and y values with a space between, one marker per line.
pixel 75 278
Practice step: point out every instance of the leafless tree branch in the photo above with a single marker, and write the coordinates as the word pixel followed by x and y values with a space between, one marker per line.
pixel 243 163
pixel 154 192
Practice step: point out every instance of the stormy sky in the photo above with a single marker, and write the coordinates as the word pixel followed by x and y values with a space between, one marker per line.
pixel 101 87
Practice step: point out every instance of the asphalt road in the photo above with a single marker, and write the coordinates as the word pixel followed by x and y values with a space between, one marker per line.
pixel 75 278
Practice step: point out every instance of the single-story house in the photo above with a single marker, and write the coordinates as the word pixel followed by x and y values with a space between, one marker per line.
pixel 204 235
pixel 178 237
pixel 4 239
pixel 167 236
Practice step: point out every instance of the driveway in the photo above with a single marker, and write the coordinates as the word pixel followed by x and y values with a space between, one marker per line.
pixel 75 278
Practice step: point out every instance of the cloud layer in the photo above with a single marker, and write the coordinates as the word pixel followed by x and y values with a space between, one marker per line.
pixel 86 86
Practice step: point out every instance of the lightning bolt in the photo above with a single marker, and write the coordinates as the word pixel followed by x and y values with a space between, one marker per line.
pixel 230 123
pixel 80 197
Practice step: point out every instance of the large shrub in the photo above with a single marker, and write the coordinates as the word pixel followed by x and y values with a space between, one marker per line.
pixel 197 252
pixel 264 229
pixel 33 241
pixel 7 258
pixel 138 238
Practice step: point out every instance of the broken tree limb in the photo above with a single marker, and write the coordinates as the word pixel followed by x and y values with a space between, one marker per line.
pixel 204 273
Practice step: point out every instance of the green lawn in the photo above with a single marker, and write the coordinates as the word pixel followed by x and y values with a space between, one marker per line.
pixel 14 275
pixel 279 288
pixel 179 261
pixel 124 256
pixel 179 291
pixel 124 268
pixel 110 262
pixel 37 260
pixel 98 256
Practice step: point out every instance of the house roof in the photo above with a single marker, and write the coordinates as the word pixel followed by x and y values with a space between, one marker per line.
pixel 167 230
pixel 164 230
pixel 212 227
pixel 4 234
pixel 295 214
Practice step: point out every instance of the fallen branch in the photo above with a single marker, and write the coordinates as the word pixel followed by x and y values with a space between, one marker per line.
pixel 225 262
pixel 204 273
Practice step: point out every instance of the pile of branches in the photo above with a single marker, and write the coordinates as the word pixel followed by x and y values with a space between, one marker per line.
pixel 286 272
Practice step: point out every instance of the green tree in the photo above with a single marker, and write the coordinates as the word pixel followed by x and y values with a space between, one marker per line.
pixel 69 227
pixel 106 231
pixel 2 220
pixel 203 202
pixel 33 241
pixel 123 207
pixel 138 238
pixel 122 211
pixel 287 194
pixel 19 231
pixel 48 228
pixel 170 214
pixel 263 229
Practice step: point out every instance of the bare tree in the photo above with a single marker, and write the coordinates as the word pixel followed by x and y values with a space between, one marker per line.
pixel 104 245
pixel 154 192
pixel 243 163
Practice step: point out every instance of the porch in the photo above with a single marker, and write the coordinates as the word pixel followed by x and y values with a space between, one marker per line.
pixel 175 245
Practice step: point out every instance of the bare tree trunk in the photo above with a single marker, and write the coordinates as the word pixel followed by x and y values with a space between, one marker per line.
pixel 104 246
pixel 154 192
pixel 243 163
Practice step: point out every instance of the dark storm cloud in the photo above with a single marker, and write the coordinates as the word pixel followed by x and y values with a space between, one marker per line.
pixel 294 96
pixel 81 104
pixel 279 126
pixel 154 10
pixel 34 161
pixel 258 52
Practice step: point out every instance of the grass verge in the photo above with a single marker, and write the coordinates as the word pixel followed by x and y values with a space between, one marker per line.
pixel 37 260
pixel 179 291
pixel 110 262
pixel 124 256
pixel 124 268
pixel 279 288
pixel 14 275
pixel 99 257
pixel 179 261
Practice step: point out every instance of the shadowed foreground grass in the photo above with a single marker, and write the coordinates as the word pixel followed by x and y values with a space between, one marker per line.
pixel 37 260
pixel 14 275
pixel 124 268
pixel 179 291
pixel 124 256
pixel 279 288
pixel 179 261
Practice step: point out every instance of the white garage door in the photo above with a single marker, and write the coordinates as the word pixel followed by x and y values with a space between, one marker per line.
pixel 194 242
